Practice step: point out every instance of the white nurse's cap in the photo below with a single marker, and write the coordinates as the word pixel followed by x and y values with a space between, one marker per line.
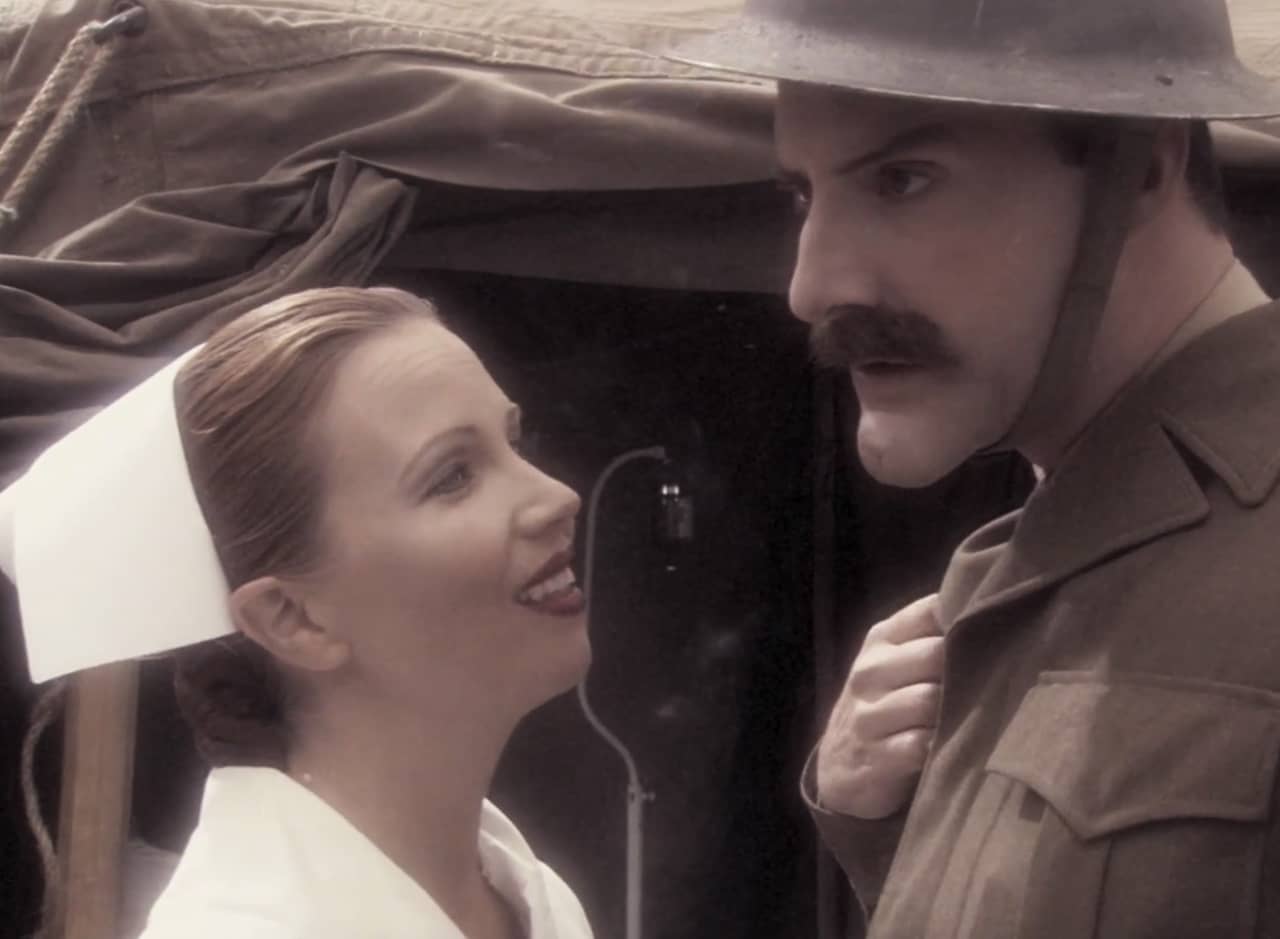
pixel 106 543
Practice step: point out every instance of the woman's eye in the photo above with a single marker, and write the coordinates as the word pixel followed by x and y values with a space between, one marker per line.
pixel 455 479
pixel 900 182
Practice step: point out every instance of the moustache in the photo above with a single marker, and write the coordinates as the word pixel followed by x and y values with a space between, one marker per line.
pixel 854 335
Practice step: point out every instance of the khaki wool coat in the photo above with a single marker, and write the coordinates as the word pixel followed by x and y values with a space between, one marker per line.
pixel 1106 756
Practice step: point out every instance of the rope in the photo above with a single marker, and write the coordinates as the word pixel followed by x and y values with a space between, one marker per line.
pixel 47 708
pixel 64 93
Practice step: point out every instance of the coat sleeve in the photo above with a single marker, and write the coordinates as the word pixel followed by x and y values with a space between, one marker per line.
pixel 863 848
pixel 1269 873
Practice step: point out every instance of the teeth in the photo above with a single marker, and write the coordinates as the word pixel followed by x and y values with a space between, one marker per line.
pixel 554 584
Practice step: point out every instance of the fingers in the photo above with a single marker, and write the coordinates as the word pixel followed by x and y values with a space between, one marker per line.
pixel 882 726
pixel 914 707
pixel 876 781
pixel 903 755
pixel 913 621
pixel 883 667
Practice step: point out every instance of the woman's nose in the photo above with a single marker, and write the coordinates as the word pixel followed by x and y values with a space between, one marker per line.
pixel 550 504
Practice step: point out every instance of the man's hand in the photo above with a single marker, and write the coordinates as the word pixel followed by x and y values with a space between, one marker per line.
pixel 882 727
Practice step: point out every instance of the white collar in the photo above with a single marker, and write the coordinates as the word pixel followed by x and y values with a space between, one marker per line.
pixel 268 849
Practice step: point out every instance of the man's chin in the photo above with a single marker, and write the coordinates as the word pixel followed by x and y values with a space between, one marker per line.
pixel 908 465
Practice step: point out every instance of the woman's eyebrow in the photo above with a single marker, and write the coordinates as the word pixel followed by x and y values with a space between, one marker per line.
pixel 423 454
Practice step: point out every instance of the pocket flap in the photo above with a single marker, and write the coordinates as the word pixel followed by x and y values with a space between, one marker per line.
pixel 1115 751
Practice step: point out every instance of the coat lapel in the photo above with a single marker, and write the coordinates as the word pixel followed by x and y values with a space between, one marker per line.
pixel 1133 477
pixel 1119 491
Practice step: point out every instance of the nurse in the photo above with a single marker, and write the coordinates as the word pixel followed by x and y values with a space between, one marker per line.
pixel 326 507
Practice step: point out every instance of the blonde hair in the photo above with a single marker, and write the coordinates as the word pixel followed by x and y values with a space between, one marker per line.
pixel 246 403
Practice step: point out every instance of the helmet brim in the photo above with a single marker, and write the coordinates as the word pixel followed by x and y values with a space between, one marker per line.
pixel 1111 87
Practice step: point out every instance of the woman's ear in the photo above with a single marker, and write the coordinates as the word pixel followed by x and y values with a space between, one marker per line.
pixel 271 613
pixel 1167 171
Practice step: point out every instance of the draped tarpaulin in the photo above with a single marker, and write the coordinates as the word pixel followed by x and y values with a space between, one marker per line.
pixel 234 152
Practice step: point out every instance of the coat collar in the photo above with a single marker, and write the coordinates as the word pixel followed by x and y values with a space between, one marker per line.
pixel 1133 477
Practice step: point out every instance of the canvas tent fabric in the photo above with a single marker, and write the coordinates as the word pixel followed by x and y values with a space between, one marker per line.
pixel 479 94
pixel 234 152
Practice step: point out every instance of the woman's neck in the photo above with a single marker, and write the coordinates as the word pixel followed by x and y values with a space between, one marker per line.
pixel 414 787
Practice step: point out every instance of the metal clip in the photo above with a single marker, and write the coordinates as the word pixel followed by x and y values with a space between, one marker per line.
pixel 127 19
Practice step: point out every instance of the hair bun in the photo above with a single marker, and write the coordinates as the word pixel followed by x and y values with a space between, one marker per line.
pixel 230 694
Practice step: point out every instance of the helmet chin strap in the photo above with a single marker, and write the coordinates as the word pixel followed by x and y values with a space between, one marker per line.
pixel 1117 168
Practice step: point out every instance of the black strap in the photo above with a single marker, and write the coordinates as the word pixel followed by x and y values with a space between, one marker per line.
pixel 1117 170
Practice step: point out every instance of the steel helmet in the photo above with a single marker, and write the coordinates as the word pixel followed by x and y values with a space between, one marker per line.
pixel 1137 61
pixel 1122 58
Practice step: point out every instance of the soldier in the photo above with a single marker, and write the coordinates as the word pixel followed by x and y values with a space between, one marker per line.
pixel 1014 238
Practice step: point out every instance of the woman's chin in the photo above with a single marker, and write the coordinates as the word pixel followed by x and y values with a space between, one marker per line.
pixel 580 662
pixel 571 665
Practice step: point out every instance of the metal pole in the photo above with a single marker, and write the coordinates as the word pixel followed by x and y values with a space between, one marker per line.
pixel 636 794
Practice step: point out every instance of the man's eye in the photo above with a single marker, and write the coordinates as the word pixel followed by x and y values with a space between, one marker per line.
pixel 900 182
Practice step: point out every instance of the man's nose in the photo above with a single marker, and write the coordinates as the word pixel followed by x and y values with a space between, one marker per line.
pixel 833 268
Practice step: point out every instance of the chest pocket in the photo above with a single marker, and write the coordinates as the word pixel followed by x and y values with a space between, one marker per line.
pixel 1130 807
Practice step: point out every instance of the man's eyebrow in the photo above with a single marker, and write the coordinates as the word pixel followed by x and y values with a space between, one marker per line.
pixel 909 139
pixel 919 136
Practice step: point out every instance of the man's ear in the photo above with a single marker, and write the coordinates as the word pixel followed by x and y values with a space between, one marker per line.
pixel 1167 170
pixel 271 613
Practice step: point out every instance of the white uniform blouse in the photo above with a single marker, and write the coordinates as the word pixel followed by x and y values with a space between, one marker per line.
pixel 270 860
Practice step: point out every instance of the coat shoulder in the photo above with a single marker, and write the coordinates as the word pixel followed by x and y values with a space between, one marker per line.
pixel 1202 603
